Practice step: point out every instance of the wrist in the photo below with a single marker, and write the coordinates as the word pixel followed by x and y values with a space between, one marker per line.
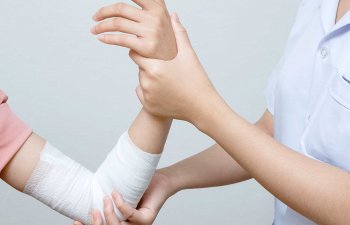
pixel 172 180
pixel 212 109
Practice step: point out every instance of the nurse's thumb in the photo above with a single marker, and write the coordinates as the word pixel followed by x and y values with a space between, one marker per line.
pixel 182 39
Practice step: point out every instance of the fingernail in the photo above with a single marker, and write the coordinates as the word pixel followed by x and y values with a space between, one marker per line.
pixel 94 17
pixel 93 30
pixel 101 37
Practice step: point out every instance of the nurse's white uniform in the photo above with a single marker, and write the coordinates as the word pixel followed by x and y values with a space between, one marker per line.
pixel 309 92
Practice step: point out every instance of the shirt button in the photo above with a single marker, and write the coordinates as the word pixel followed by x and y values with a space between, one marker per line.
pixel 324 53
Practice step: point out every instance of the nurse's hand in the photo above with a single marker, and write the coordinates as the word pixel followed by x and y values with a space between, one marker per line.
pixel 109 214
pixel 159 190
pixel 179 88
pixel 146 30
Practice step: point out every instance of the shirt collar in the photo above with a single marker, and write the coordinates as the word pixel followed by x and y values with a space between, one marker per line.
pixel 329 10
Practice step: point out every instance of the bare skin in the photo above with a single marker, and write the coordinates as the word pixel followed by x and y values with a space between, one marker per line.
pixel 343 8
pixel 323 190
pixel 20 168
pixel 198 171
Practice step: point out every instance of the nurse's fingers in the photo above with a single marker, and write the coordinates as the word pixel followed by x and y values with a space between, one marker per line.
pixel 130 214
pixel 139 94
pixel 108 210
pixel 119 10
pixel 96 218
pixel 142 62
pixel 77 223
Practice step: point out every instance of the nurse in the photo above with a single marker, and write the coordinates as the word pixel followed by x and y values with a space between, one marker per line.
pixel 300 148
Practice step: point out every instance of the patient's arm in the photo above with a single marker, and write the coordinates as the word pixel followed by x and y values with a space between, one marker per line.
pixel 21 167
pixel 199 171
pixel 148 133
pixel 148 31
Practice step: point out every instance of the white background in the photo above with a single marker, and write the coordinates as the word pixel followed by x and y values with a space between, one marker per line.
pixel 79 93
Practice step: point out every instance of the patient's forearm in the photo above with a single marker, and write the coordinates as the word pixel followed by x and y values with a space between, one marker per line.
pixel 150 132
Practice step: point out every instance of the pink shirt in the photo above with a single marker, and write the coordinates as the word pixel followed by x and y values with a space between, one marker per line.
pixel 13 132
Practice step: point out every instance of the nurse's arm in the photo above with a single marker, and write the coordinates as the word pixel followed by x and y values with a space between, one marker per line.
pixel 317 190
pixel 212 167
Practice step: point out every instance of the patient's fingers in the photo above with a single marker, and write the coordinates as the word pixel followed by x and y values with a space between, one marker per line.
pixel 118 24
pixel 119 10
pixel 161 2
pixel 145 4
pixel 129 213
pixel 96 218
pixel 108 210
pixel 123 40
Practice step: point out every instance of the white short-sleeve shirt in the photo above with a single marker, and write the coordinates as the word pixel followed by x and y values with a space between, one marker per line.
pixel 309 92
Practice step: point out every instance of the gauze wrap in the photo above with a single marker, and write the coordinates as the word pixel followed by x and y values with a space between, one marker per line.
pixel 72 190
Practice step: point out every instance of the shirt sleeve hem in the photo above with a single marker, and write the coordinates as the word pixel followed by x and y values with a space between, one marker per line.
pixel 13 134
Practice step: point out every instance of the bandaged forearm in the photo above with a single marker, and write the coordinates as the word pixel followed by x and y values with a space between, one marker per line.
pixel 72 190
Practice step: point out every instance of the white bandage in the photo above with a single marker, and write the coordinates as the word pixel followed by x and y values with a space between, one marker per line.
pixel 67 187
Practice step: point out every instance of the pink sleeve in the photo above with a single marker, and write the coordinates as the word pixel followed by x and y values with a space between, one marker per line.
pixel 13 132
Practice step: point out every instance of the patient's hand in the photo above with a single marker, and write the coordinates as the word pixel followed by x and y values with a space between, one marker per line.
pixel 146 30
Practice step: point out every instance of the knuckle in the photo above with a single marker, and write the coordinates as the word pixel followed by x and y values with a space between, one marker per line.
pixel 146 87
pixel 128 214
pixel 154 70
pixel 159 11
pixel 116 23
pixel 121 40
pixel 119 7
pixel 107 211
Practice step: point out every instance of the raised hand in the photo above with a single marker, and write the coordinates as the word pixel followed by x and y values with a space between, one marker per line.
pixel 146 30
pixel 178 88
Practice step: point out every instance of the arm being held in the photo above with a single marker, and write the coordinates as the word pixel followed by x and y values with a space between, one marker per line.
pixel 42 171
